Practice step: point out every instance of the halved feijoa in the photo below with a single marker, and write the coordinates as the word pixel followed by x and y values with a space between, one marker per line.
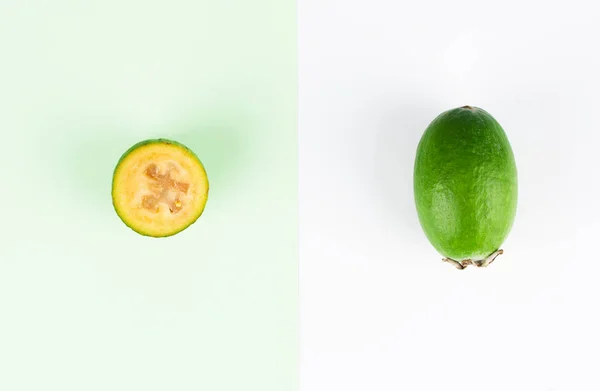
pixel 465 186
pixel 159 187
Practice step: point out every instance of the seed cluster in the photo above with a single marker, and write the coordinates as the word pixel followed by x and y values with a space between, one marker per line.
pixel 163 185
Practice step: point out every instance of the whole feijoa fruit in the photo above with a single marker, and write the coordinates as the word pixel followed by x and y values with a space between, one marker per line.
pixel 465 186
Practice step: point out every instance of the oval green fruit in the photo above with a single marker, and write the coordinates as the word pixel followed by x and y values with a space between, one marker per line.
pixel 465 186
pixel 159 187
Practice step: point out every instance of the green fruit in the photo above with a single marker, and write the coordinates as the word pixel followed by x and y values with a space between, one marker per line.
pixel 159 187
pixel 465 186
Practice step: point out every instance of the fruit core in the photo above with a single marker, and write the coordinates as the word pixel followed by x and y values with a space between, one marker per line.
pixel 164 188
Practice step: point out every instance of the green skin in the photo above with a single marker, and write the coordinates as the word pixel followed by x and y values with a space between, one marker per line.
pixel 140 229
pixel 465 184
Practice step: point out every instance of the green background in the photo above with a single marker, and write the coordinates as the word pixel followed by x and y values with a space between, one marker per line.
pixel 87 304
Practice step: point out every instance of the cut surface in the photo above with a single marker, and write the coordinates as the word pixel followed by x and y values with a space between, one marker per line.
pixel 160 187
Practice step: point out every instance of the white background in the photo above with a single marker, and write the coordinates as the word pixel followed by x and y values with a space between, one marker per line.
pixel 379 310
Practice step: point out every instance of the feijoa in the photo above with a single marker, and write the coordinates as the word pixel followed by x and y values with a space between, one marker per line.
pixel 159 187
pixel 465 186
